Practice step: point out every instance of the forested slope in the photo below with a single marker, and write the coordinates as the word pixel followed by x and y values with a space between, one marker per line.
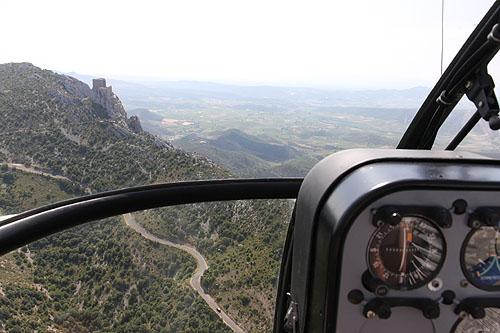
pixel 102 276
pixel 98 277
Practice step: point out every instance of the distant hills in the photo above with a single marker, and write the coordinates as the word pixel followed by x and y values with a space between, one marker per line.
pixel 245 155
pixel 385 98
pixel 306 124
pixel 238 141
pixel 248 112
pixel 103 276
pixel 235 141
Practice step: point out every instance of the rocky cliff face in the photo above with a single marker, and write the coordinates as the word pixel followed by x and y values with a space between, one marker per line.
pixel 58 124
pixel 103 96
pixel 134 124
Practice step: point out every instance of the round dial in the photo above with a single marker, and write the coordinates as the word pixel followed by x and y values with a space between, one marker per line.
pixel 407 255
pixel 480 257
pixel 490 323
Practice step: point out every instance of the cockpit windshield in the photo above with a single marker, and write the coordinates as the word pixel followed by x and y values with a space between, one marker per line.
pixel 109 96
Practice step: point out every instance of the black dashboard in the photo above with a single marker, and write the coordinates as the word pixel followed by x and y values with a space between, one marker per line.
pixel 398 241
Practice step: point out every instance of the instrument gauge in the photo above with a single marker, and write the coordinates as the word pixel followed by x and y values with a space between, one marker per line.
pixel 480 257
pixel 490 323
pixel 407 255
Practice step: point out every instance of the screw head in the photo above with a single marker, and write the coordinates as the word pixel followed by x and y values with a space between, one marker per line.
pixel 370 314
pixel 476 224
pixel 468 84
pixel 394 218
pixel 480 104
pixel 463 314
pixel 464 283
pixel 381 291
pixel 380 223
pixel 435 284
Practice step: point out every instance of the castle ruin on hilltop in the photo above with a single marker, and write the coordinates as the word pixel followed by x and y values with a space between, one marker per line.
pixel 100 84
pixel 105 97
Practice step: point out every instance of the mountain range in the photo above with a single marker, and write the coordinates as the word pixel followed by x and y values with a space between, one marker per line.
pixel 130 91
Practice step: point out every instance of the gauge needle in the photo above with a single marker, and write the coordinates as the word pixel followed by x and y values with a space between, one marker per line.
pixel 404 254
pixel 496 242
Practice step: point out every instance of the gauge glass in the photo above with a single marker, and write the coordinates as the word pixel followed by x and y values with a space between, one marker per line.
pixel 480 257
pixel 407 255
pixel 490 323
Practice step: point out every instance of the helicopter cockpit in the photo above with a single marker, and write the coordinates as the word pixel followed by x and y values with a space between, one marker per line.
pixel 395 237
pixel 403 239
pixel 381 240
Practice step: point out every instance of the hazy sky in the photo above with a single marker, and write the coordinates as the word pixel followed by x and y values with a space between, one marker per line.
pixel 364 44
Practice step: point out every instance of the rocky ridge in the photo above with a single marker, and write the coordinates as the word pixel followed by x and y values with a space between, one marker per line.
pixel 59 124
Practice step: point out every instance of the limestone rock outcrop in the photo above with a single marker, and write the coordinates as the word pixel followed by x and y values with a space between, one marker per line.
pixel 107 99
pixel 134 124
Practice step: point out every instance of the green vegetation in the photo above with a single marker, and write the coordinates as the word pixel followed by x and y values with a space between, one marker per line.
pixel 238 126
pixel 242 242
pixel 46 126
pixel 20 191
pixel 286 140
pixel 103 276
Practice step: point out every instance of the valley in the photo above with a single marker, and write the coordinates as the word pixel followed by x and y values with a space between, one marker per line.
pixel 278 131
pixel 102 276
pixel 61 138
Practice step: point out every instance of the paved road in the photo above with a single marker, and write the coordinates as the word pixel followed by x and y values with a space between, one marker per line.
pixel 202 264
pixel 29 169
pixel 196 278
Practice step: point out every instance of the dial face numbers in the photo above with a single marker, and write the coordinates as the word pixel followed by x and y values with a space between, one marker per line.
pixel 490 323
pixel 407 255
pixel 481 257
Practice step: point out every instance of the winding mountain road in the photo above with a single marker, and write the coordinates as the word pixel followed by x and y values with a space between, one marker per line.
pixel 196 278
pixel 25 168
pixel 201 262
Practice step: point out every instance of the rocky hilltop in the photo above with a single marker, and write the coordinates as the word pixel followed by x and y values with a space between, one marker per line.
pixel 102 276
pixel 100 95
pixel 59 124
pixel 104 97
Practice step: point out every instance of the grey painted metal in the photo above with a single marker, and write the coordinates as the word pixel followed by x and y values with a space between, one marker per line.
pixel 350 317
pixel 313 237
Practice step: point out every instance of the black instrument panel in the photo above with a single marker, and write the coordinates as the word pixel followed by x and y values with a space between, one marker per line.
pixel 398 237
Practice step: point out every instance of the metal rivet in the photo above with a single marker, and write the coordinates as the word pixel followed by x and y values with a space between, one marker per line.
pixel 435 284
pixel 468 84
pixel 480 104
pixel 463 314
pixel 380 223
pixel 381 291
pixel 476 224
pixel 370 314
pixel 464 283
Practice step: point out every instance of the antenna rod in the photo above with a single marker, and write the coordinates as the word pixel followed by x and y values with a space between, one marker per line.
pixel 442 34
